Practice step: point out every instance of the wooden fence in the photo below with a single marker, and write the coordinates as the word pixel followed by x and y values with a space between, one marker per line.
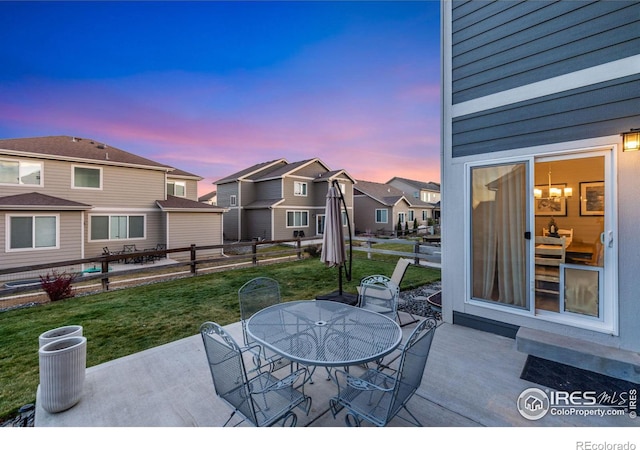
pixel 106 267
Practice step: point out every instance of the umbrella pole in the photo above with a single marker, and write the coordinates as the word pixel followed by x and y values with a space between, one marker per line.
pixel 340 280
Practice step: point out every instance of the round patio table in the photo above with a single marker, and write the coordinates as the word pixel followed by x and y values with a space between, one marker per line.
pixel 324 333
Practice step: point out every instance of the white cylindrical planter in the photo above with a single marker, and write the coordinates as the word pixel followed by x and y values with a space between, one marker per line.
pixel 62 370
pixel 58 333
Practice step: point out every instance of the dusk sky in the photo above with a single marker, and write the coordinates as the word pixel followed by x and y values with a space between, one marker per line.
pixel 214 87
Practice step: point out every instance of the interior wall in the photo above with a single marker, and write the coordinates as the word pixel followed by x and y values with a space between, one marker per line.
pixel 572 172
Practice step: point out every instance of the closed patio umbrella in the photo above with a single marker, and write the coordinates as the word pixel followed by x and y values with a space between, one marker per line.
pixel 333 252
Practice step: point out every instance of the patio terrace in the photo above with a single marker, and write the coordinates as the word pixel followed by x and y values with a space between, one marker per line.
pixel 472 379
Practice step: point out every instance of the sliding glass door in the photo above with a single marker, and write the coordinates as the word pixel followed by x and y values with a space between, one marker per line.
pixel 499 249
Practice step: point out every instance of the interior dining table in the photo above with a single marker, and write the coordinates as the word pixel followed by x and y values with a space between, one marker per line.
pixel 324 333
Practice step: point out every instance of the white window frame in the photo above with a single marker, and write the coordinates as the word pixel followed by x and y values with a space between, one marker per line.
pixel 73 177
pixel 302 213
pixel 402 217
pixel 412 215
pixel 8 218
pixel 425 215
pixel 233 200
pixel 110 216
pixel 175 184
pixel 20 164
pixel 300 188
pixel 386 214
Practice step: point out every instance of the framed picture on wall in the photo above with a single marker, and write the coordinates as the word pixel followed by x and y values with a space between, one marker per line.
pixel 550 206
pixel 592 198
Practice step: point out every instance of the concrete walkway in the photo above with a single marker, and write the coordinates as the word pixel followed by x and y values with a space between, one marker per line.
pixel 471 380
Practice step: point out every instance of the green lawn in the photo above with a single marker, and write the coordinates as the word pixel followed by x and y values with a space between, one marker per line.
pixel 121 322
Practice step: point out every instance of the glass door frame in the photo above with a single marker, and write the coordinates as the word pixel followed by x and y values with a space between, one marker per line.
pixel 609 322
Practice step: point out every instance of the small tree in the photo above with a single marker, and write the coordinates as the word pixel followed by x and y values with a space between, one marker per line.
pixel 399 227
pixel 415 224
pixel 406 228
pixel 58 285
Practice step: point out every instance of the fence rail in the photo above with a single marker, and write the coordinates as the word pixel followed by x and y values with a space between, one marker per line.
pixel 110 266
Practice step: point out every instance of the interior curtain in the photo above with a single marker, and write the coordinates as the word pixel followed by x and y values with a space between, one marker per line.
pixel 498 226
pixel 511 257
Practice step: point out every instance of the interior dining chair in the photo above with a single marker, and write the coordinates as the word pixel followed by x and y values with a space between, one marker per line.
pixel 263 400
pixel 378 397
pixel 254 295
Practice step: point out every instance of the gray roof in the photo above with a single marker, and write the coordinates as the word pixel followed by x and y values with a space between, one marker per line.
pixel 173 203
pixel 209 196
pixel 387 194
pixel 246 173
pixel 38 201
pixel 75 148
pixel 420 185
pixel 261 204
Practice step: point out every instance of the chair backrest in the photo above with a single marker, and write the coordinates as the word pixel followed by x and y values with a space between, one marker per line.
pixel 254 295
pixel 550 251
pixel 378 293
pixel 562 232
pixel 412 364
pixel 129 248
pixel 400 270
pixel 227 369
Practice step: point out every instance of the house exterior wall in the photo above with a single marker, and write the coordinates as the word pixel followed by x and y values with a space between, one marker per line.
pixel 70 240
pixel 258 223
pixel 365 215
pixel 524 79
pixel 194 228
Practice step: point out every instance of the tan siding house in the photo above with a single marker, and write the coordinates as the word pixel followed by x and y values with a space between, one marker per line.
pixel 65 198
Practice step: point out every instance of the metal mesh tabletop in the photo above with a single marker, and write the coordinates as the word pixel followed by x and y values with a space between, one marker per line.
pixel 324 333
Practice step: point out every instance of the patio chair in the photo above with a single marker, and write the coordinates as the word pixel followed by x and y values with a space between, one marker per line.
pixel 378 397
pixel 130 248
pixel 263 400
pixel 254 295
pixel 378 293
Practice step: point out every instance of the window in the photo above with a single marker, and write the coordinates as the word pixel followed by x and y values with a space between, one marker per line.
pixel 343 188
pixel 411 215
pixel 344 218
pixel 425 215
pixel 117 227
pixel 233 201
pixel 300 188
pixel 87 177
pixel 177 188
pixel 382 216
pixel 20 172
pixel 297 218
pixel 402 217
pixel 33 232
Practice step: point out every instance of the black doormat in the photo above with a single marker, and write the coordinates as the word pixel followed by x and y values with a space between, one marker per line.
pixel 562 377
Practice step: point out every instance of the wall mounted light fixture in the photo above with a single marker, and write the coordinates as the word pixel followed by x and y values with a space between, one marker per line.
pixel 631 140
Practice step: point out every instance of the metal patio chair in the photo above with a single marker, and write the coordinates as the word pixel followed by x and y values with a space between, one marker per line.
pixel 263 400
pixel 378 293
pixel 254 295
pixel 378 397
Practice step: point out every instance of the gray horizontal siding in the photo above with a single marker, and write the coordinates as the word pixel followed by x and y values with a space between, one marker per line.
pixel 597 110
pixel 502 45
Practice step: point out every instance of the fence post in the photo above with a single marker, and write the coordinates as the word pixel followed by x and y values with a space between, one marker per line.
pixel 254 249
pixel 299 246
pixel 193 259
pixel 369 245
pixel 105 280
pixel 416 250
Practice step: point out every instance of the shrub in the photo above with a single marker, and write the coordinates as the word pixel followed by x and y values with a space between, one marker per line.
pixel 58 285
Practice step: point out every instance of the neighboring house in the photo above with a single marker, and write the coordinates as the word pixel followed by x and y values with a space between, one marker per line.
pixel 420 191
pixel 66 198
pixel 210 198
pixel 378 208
pixel 536 98
pixel 279 200
pixel 428 192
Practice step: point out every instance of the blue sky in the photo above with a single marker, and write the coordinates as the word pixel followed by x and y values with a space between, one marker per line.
pixel 213 87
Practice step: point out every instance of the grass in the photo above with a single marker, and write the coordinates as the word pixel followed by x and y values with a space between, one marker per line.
pixel 121 322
